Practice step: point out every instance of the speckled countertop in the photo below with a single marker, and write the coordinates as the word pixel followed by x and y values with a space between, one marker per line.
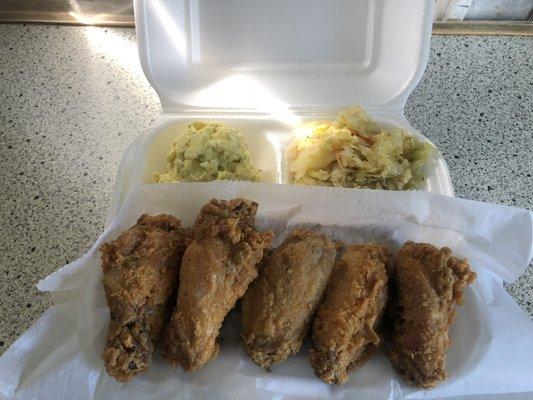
pixel 73 98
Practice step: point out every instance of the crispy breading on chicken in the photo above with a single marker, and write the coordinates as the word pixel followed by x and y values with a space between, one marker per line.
pixel 426 283
pixel 278 307
pixel 140 275
pixel 216 270
pixel 346 324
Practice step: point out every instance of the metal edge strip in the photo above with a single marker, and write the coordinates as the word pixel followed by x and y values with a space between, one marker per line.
pixel 495 28
pixel 66 18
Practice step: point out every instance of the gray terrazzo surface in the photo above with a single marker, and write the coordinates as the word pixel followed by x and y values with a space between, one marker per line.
pixel 72 99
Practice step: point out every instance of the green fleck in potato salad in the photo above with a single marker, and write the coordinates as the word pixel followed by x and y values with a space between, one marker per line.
pixel 209 152
pixel 355 152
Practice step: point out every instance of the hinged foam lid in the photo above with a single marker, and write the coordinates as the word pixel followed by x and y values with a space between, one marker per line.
pixel 301 54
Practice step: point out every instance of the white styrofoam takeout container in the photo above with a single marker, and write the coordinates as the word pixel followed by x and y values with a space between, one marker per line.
pixel 266 66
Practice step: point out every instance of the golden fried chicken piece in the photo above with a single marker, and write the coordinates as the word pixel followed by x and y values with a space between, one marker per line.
pixel 278 307
pixel 216 270
pixel 426 283
pixel 140 275
pixel 346 323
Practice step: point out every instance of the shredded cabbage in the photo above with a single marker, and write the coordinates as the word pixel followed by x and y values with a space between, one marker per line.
pixel 209 152
pixel 355 152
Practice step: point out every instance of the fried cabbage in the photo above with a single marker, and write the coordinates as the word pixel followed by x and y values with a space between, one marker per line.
pixel 355 152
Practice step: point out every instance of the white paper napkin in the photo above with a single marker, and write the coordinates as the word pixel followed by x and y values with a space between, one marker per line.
pixel 492 349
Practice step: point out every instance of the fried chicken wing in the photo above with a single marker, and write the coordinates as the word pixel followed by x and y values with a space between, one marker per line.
pixel 216 270
pixel 426 283
pixel 140 274
pixel 346 323
pixel 278 307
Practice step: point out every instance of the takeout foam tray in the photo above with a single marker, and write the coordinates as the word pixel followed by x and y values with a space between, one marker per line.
pixel 265 67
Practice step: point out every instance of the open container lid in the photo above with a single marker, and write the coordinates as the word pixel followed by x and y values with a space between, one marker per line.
pixel 306 55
